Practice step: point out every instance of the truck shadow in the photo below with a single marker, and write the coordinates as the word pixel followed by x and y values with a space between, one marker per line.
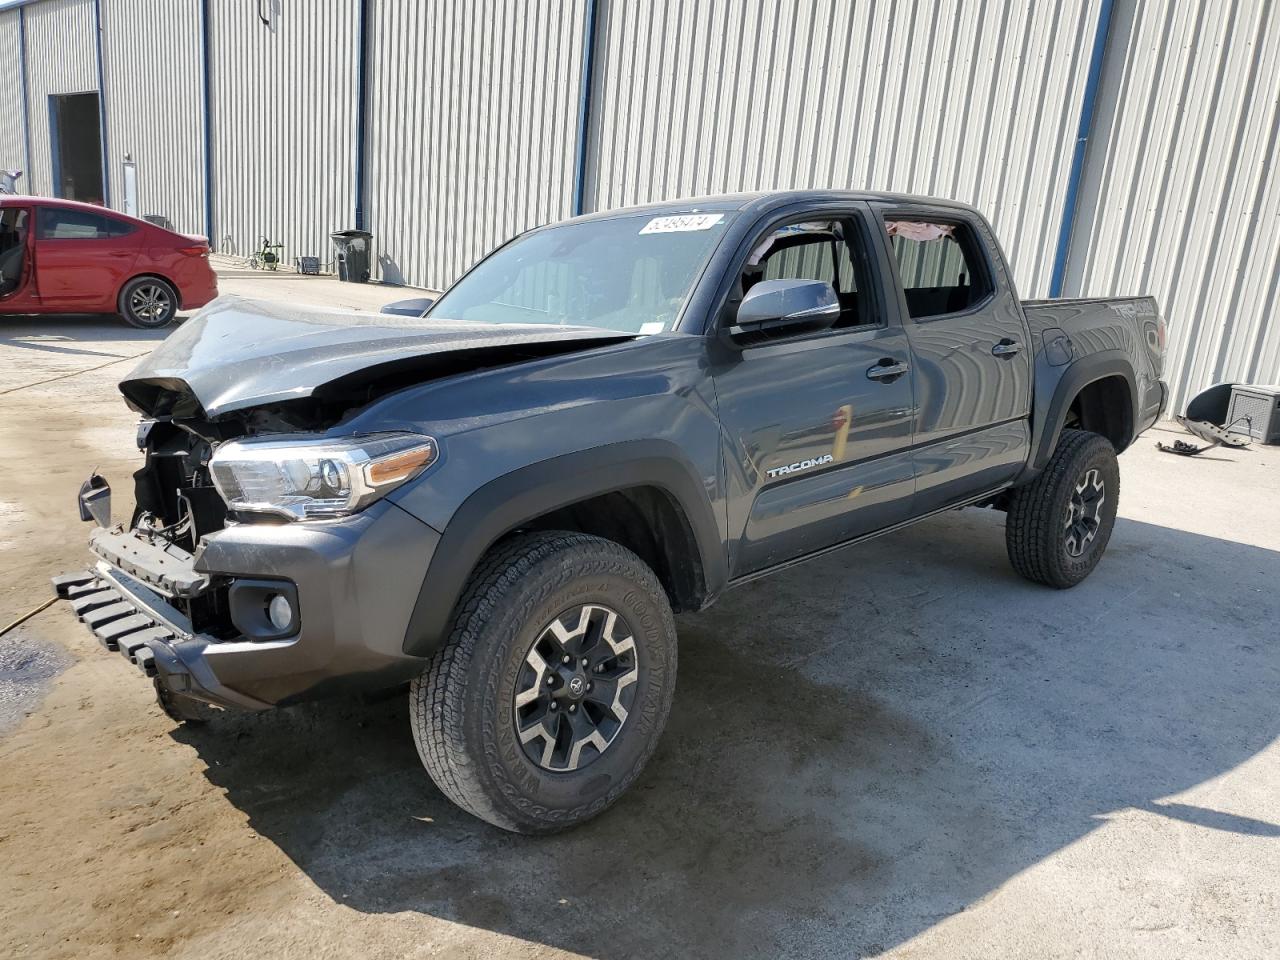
pixel 859 749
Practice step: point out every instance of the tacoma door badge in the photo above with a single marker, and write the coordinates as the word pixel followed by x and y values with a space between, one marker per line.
pixel 800 465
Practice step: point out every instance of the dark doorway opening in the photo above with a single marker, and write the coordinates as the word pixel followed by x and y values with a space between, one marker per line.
pixel 76 134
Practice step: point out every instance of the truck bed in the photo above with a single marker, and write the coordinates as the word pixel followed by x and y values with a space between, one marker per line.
pixel 1067 330
pixel 1096 323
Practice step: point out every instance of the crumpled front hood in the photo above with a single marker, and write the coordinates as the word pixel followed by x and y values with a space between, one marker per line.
pixel 241 353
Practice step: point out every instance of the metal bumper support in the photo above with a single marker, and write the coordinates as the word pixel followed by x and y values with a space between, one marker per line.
pixel 354 583
pixel 147 632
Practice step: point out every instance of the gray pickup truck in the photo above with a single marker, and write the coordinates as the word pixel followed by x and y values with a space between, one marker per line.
pixel 503 496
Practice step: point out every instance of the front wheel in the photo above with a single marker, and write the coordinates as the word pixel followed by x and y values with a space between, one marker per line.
pixel 1059 524
pixel 554 685
pixel 148 303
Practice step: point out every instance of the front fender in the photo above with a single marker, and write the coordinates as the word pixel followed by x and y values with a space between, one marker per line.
pixel 512 500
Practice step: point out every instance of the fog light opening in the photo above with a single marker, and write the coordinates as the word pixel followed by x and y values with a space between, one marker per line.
pixel 280 612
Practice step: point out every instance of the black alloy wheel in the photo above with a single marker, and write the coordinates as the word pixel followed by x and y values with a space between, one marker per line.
pixel 576 688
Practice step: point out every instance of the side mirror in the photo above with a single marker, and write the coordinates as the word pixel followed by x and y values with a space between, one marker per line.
pixel 409 308
pixel 777 305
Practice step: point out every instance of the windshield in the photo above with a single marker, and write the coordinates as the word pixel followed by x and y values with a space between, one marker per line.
pixel 630 273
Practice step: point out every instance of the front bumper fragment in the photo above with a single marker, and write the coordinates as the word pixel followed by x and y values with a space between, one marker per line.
pixel 129 618
pixel 355 582
pixel 162 566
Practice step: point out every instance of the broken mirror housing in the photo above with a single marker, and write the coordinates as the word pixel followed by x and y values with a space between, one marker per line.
pixel 309 479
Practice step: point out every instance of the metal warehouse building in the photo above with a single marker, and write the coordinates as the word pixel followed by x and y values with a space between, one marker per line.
pixel 1118 146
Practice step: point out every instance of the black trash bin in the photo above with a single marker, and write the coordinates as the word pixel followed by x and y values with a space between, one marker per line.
pixel 353 254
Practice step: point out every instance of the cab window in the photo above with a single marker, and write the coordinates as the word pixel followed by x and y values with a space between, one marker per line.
pixel 939 266
pixel 816 250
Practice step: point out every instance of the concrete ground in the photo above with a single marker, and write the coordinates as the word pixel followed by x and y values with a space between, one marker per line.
pixel 900 750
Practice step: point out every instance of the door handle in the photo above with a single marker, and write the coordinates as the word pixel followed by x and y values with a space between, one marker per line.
pixel 887 370
pixel 1006 348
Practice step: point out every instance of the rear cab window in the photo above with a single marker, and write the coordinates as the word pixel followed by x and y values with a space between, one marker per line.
pixel 940 265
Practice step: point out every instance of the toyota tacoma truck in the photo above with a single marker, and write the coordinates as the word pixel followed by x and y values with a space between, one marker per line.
pixel 501 497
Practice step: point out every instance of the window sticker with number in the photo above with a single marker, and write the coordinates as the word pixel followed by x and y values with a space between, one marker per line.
pixel 684 223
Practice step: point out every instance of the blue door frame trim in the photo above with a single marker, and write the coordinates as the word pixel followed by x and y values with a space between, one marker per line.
pixel 205 50
pixel 1070 205
pixel 584 107
pixel 55 146
pixel 102 104
pixel 362 111
pixel 26 96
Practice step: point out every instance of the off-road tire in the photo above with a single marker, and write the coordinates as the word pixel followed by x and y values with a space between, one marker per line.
pixel 1035 531
pixel 165 293
pixel 461 707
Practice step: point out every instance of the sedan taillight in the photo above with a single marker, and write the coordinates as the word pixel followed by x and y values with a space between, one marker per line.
pixel 197 251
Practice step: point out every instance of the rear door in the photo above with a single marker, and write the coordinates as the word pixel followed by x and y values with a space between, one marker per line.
pixel 971 352
pixel 817 425
pixel 82 258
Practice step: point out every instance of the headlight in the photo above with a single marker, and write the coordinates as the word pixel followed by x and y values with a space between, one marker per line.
pixel 315 479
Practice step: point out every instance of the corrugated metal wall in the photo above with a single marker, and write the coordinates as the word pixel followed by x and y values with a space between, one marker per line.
pixel 967 99
pixel 62 57
pixel 13 148
pixel 284 120
pixel 473 109
pixel 1181 197
pixel 472 128
pixel 155 106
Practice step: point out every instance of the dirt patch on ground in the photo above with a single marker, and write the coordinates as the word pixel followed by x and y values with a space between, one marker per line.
pixel 140 854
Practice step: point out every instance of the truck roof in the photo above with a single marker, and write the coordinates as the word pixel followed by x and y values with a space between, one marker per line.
pixel 764 201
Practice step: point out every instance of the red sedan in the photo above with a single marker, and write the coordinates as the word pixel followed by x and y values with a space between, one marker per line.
pixel 57 256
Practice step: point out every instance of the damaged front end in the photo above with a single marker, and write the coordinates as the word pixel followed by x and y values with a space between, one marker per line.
pixel 144 596
pixel 177 506
pixel 263 563
pixel 202 599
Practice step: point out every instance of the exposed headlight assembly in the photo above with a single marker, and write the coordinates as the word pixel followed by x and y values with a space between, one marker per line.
pixel 317 479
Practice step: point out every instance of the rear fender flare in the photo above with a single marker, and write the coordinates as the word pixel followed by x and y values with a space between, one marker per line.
pixel 1053 400
pixel 514 499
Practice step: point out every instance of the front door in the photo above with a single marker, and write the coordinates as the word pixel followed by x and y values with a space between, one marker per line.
pixel 82 258
pixel 971 353
pixel 817 426
pixel 15 258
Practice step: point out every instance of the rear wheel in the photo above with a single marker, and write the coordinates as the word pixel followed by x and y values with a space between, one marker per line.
pixel 551 692
pixel 148 303
pixel 1058 525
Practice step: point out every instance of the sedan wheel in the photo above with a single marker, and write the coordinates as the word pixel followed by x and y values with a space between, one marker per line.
pixel 148 303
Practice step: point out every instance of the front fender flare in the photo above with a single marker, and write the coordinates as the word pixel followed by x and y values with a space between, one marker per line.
pixel 512 500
